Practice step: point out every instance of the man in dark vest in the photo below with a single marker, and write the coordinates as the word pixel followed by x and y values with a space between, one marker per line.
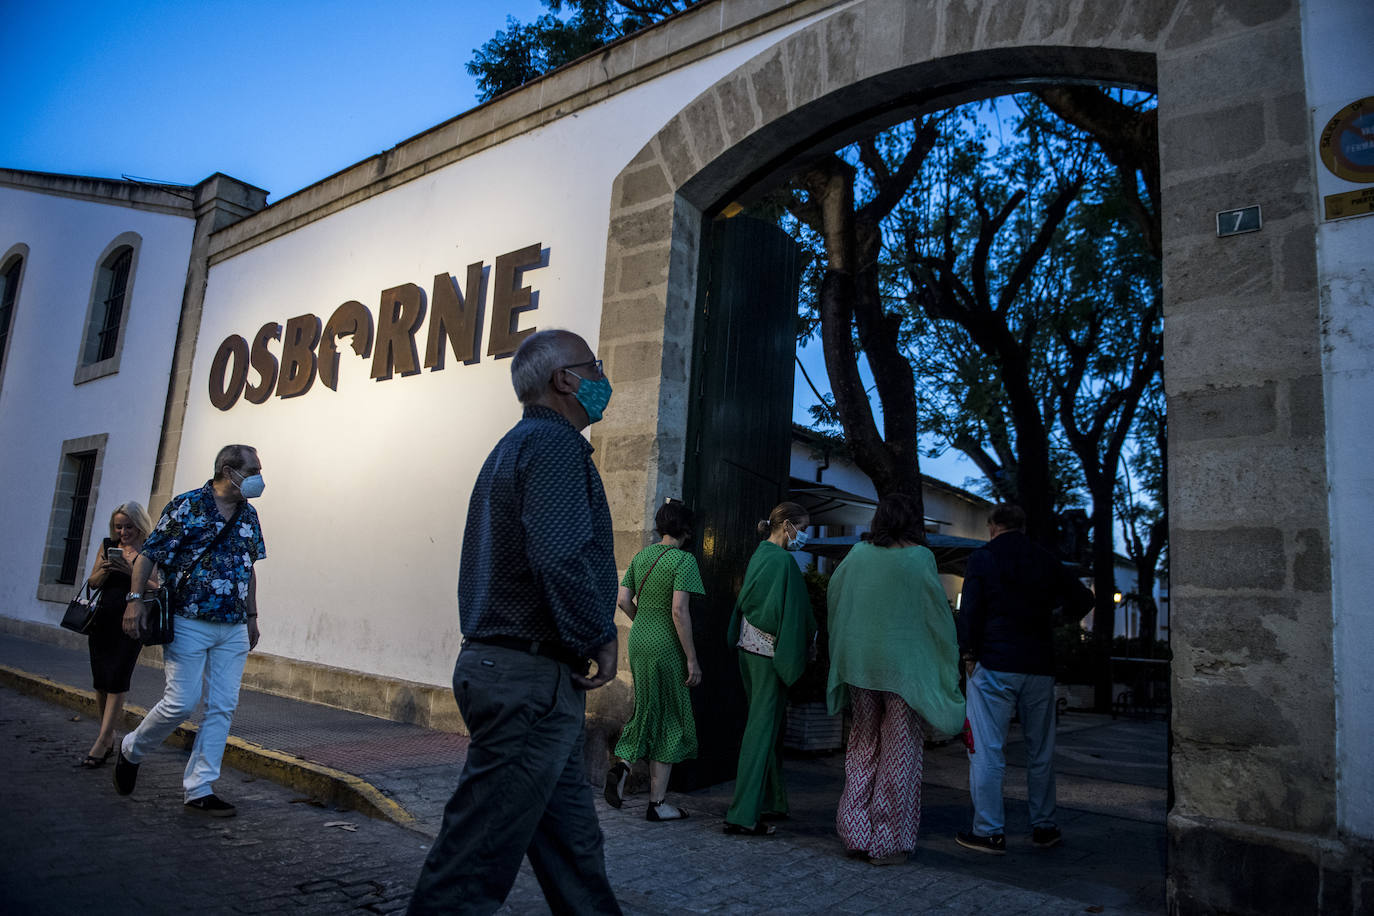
pixel 1012 587
pixel 536 600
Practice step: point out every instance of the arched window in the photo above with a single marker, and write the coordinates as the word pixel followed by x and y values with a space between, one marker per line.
pixel 115 282
pixel 108 311
pixel 11 270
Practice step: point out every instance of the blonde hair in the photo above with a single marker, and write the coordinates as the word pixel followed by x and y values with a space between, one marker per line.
pixel 136 514
pixel 782 514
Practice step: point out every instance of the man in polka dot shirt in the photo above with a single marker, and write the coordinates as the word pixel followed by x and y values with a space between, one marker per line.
pixel 536 602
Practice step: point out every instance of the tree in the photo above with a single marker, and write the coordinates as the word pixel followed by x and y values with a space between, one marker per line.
pixel 976 259
pixel 848 299
pixel 1008 300
pixel 522 52
pixel 1143 509
pixel 1111 336
pixel 1128 134
pixel 1067 308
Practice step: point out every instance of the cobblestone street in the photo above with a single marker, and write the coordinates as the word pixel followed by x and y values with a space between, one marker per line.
pixel 70 845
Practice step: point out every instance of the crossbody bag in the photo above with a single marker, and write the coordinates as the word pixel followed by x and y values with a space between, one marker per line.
pixel 158 626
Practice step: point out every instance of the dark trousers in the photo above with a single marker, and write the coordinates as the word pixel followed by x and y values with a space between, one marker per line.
pixel 522 792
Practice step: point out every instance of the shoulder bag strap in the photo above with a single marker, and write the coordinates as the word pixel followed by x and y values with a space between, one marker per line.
pixel 233 519
pixel 651 569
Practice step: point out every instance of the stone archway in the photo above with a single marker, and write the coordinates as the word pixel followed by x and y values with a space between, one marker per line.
pixel 1253 742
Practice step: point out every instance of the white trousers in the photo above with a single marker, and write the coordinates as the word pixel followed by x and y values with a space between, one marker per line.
pixel 203 654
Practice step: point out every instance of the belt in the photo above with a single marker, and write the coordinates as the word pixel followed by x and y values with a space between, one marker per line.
pixel 543 647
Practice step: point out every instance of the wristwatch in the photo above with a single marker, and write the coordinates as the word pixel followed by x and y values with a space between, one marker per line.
pixel 133 596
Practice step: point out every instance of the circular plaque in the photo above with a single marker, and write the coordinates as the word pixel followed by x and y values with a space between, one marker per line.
pixel 1347 143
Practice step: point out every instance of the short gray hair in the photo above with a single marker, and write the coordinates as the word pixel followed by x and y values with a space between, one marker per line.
pixel 535 361
pixel 231 456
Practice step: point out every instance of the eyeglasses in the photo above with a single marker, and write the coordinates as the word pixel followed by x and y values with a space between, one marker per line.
pixel 596 364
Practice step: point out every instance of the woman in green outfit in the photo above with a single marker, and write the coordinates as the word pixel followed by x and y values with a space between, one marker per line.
pixel 774 629
pixel 894 662
pixel 655 595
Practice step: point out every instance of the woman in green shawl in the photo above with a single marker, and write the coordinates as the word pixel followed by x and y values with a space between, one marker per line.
pixel 773 628
pixel 894 660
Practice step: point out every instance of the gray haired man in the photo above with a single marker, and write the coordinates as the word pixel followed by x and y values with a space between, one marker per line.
pixel 536 602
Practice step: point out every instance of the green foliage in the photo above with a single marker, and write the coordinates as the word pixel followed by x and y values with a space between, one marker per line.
pixel 1018 235
pixel 571 29
pixel 1074 658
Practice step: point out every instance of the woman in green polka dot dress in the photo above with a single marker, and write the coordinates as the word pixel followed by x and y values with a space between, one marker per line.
pixel 655 594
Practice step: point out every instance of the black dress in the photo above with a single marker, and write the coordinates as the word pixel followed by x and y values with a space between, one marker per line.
pixel 113 655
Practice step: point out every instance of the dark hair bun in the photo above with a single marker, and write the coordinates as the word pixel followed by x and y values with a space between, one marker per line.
pixel 763 528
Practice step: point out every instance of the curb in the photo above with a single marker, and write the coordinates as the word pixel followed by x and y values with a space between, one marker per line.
pixel 331 786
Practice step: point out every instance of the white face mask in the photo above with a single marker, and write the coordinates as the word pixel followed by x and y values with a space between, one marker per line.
pixel 250 487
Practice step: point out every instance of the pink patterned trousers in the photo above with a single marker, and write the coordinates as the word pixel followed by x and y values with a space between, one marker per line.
pixel 880 809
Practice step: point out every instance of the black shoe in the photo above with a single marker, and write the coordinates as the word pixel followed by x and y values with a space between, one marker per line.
pixel 125 774
pixel 615 784
pixel 994 845
pixel 759 829
pixel 1045 837
pixel 211 805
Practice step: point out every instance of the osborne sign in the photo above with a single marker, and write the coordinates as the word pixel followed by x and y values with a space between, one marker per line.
pixel 309 346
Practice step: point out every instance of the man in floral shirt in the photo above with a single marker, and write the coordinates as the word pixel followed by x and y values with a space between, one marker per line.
pixel 205 544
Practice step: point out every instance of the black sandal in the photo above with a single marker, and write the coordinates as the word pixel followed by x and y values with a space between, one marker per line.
pixel 756 830
pixel 95 763
pixel 616 777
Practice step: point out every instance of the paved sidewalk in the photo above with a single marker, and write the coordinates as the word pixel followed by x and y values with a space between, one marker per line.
pixel 1111 791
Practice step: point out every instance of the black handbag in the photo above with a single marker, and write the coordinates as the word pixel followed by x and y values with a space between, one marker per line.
pixel 158 626
pixel 158 629
pixel 81 610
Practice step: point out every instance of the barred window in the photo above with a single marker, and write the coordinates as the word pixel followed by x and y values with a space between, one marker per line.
pixel 9 294
pixel 71 524
pixel 107 312
pixel 118 274
pixel 82 470
pixel 111 288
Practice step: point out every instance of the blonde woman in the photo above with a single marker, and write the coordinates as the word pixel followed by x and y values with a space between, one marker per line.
pixel 773 627
pixel 113 654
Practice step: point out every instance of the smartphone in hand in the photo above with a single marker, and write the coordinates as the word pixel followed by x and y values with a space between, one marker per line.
pixel 114 554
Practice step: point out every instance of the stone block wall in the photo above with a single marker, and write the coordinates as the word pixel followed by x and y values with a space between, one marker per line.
pixel 1254 727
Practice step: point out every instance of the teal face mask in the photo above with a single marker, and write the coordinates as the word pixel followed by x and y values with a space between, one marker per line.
pixel 593 395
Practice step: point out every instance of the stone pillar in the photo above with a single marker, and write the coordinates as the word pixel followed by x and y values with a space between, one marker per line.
pixel 219 201
pixel 1253 830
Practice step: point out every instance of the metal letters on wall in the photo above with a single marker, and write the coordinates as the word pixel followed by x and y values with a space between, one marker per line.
pixel 310 348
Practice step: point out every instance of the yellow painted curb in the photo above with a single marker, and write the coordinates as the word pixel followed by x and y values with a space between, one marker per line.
pixel 329 785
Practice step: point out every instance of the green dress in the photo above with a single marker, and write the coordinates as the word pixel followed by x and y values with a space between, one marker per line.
pixel 774 599
pixel 662 727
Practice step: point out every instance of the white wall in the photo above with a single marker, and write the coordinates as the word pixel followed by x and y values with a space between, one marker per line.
pixel 40 407
pixel 367 486
pixel 1340 70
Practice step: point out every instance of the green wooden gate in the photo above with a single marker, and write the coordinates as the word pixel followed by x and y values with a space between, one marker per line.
pixel 739 438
